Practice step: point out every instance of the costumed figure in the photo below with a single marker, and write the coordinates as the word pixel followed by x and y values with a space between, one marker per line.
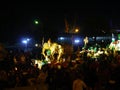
pixel 85 41
pixel 46 52
pixel 52 51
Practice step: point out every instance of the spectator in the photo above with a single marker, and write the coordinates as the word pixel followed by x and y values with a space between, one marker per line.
pixel 3 67
pixel 79 84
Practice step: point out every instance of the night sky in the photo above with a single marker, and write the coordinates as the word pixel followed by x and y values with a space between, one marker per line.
pixel 16 19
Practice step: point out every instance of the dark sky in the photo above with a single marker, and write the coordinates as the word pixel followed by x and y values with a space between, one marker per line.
pixel 16 19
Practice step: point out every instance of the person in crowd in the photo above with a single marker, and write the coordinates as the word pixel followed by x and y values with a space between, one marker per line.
pixel 3 67
pixel 78 83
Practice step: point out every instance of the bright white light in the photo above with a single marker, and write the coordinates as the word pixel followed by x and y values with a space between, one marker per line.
pixel 113 39
pixel 36 45
pixel 28 39
pixel 77 41
pixel 62 38
pixel 24 41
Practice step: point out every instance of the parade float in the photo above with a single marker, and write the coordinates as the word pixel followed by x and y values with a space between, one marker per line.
pixel 52 51
pixel 115 45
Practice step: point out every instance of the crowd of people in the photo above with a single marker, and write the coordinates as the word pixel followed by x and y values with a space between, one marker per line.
pixel 78 73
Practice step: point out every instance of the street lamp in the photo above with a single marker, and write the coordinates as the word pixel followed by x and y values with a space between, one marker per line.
pixel 25 41
pixel 76 30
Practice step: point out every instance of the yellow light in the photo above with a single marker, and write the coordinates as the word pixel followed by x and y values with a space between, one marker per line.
pixel 76 30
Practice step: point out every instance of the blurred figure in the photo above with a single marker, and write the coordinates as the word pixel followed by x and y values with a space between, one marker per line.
pixel 79 84
pixel 41 80
pixel 3 68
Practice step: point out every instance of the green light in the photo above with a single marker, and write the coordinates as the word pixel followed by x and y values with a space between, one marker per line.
pixel 118 36
pixel 36 22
